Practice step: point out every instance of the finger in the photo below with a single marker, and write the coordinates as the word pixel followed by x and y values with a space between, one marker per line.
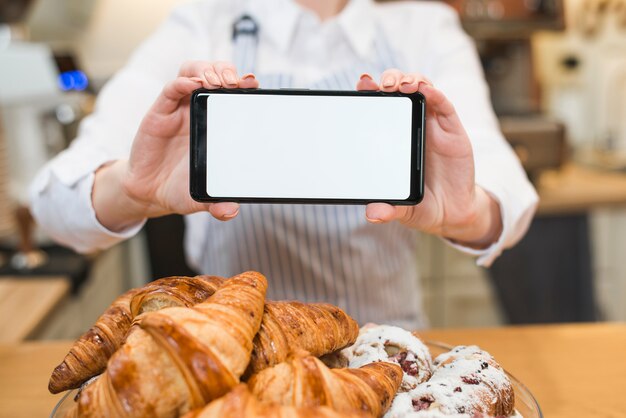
pixel 380 213
pixel 441 107
pixel 202 70
pixel 173 92
pixel 227 73
pixel 224 211
pixel 437 101
pixel 366 82
pixel 211 78
pixel 249 81
pixel 390 80
pixel 194 68
pixel 411 82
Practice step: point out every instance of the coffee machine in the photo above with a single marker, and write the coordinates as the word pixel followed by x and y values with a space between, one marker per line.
pixel 33 106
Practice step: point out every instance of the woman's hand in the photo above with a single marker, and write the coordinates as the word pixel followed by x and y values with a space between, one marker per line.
pixel 154 181
pixel 454 207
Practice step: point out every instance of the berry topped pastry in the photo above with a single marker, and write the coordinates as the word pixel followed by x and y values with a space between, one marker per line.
pixel 466 381
pixel 395 345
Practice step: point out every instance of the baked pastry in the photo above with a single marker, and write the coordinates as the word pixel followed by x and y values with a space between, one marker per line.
pixel 240 403
pixel 178 359
pixel 391 344
pixel 304 381
pixel 191 340
pixel 89 354
pixel 438 414
pixel 174 291
pixel 318 328
pixel 467 381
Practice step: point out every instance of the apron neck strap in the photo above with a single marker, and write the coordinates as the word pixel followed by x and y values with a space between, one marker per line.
pixel 245 44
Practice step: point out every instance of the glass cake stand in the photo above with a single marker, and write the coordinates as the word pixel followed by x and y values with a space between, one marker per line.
pixel 525 403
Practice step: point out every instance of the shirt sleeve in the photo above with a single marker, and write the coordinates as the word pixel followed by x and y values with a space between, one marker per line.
pixel 61 192
pixel 456 70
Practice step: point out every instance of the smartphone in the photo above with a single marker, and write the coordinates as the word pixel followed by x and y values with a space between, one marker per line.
pixel 307 146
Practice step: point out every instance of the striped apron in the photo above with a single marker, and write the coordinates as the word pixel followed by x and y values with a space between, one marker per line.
pixel 313 253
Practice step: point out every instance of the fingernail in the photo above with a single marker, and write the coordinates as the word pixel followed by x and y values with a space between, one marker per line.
pixel 212 79
pixel 407 80
pixel 249 76
pixel 388 82
pixel 231 215
pixel 230 77
pixel 366 77
pixel 374 220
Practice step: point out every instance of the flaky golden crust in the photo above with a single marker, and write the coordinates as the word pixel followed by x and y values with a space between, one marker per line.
pixel 89 354
pixel 317 328
pixel 304 381
pixel 239 403
pixel 180 358
pixel 174 291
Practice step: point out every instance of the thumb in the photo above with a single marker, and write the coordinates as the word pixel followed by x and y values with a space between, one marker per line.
pixel 380 213
pixel 224 211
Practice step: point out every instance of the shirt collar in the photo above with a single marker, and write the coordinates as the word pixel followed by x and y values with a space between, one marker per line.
pixel 278 19
pixel 358 24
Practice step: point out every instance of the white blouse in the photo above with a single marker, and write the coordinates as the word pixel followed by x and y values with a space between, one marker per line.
pixel 308 252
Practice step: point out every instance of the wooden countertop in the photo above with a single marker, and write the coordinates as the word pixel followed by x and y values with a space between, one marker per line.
pixel 573 370
pixel 26 302
pixel 578 189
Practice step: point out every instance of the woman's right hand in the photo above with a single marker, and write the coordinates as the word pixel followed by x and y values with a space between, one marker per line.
pixel 154 181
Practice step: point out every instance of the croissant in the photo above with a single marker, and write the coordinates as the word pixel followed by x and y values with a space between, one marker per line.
pixel 318 328
pixel 240 403
pixel 174 291
pixel 466 380
pixel 178 359
pixel 89 354
pixel 305 381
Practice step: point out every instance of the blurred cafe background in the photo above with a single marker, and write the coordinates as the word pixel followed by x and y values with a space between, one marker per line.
pixel 557 71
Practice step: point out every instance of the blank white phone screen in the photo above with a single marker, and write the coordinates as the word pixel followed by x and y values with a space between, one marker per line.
pixel 308 147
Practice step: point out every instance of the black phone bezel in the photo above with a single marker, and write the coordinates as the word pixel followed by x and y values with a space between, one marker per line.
pixel 198 130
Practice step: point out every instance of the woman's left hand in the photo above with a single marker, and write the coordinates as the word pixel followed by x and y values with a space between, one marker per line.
pixel 453 207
